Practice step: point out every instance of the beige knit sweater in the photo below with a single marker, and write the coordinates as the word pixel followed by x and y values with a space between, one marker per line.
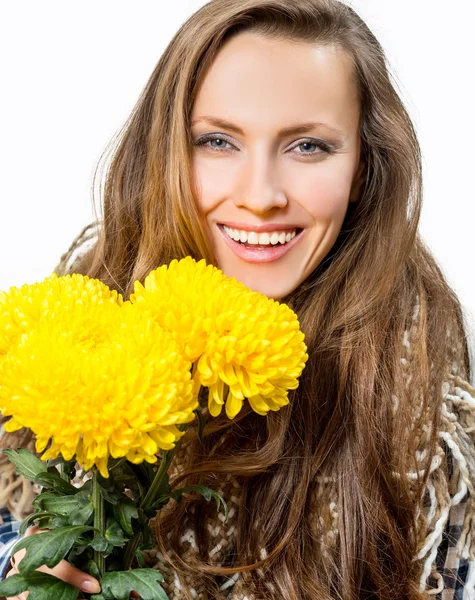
pixel 452 513
pixel 455 507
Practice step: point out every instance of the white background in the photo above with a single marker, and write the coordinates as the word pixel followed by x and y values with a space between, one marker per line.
pixel 71 73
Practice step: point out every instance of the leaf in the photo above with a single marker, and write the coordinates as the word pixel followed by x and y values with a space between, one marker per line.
pixel 205 491
pixel 68 467
pixel 58 522
pixel 40 586
pixel 114 533
pixel 201 423
pixel 32 518
pixel 48 548
pixel 140 558
pixel 124 512
pixel 55 482
pixel 78 508
pixel 27 464
pixel 117 585
pixel 100 544
pixel 63 505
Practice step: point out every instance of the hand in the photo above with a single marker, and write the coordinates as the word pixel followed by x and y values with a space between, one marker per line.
pixel 63 570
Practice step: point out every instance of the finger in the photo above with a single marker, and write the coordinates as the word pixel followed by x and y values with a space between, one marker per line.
pixel 68 573
pixel 24 595
pixel 63 570
pixel 72 575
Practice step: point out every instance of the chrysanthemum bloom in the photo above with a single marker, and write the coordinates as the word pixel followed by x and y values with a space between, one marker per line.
pixel 240 338
pixel 21 308
pixel 97 380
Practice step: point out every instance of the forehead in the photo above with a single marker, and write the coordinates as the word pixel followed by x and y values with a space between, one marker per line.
pixel 258 82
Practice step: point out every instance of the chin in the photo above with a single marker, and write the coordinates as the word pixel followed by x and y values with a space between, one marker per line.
pixel 269 287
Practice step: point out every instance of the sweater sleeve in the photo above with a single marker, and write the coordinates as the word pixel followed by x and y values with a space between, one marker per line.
pixel 9 536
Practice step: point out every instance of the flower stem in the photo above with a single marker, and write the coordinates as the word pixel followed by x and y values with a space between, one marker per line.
pixel 99 520
pixel 150 496
pixel 130 550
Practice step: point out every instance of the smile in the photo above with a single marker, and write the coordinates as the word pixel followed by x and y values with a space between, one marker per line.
pixel 261 247
pixel 253 238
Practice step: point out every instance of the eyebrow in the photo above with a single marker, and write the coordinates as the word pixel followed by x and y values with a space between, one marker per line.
pixel 293 129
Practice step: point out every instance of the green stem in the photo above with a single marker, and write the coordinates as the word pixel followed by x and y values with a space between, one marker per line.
pixel 99 519
pixel 167 458
pixel 147 502
pixel 130 550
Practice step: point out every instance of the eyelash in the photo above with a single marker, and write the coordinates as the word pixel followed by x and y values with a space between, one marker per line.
pixel 314 142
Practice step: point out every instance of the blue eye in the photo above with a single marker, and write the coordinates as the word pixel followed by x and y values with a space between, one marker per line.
pixel 323 147
pixel 211 138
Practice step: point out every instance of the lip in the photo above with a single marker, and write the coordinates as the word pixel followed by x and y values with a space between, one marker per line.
pixel 261 228
pixel 259 255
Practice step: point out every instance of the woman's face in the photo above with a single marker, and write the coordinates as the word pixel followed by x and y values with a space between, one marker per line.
pixel 273 200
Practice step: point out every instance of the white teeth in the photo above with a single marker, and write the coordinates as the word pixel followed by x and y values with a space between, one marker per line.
pixel 264 239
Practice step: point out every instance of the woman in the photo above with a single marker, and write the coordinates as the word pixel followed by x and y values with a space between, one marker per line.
pixel 270 141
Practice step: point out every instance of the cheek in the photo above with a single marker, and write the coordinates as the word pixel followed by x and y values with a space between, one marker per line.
pixel 214 181
pixel 324 193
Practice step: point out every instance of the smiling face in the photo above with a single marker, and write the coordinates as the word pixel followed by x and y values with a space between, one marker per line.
pixel 282 194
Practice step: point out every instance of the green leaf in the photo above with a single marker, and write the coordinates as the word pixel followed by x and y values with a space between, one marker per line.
pixel 101 544
pixel 124 512
pixel 77 509
pixel 117 585
pixel 27 464
pixel 55 482
pixel 58 522
pixel 206 492
pixel 114 533
pixel 40 586
pixel 140 558
pixel 201 423
pixel 47 548
pixel 32 518
pixel 111 497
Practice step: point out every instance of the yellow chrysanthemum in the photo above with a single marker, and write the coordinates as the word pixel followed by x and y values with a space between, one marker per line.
pixel 240 338
pixel 97 380
pixel 21 308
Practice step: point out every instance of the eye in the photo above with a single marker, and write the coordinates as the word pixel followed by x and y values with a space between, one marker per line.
pixel 203 141
pixel 323 147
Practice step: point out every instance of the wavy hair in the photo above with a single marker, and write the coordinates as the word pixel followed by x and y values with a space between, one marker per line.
pixel 365 417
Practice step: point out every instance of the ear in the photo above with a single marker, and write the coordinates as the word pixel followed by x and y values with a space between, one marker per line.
pixel 358 182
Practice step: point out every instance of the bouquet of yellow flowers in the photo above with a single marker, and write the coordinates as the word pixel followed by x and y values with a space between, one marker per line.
pixel 108 387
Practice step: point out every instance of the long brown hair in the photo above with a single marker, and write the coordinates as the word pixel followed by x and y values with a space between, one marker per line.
pixel 383 328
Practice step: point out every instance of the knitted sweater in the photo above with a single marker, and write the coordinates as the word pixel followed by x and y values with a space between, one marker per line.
pixel 448 553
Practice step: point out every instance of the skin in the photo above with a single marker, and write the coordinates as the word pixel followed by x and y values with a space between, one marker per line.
pixel 258 178
pixel 263 86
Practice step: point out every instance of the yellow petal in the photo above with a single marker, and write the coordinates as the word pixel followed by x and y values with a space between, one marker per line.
pixel 233 405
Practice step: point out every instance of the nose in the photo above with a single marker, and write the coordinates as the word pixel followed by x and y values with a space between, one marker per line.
pixel 259 190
